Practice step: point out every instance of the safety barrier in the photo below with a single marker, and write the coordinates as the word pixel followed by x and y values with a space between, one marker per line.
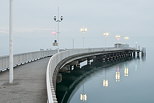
pixel 23 58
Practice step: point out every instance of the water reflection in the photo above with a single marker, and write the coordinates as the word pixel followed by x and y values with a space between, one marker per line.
pixel 126 72
pixel 117 75
pixel 137 63
pixel 109 74
pixel 105 81
pixel 75 81
pixel 83 95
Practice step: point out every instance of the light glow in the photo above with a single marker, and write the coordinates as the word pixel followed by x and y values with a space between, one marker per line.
pixel 117 36
pixel 83 97
pixel 106 34
pixel 83 29
pixel 126 72
pixel 117 76
pixel 126 38
pixel 105 83
pixel 54 33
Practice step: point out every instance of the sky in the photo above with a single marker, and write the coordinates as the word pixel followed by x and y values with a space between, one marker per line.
pixel 33 23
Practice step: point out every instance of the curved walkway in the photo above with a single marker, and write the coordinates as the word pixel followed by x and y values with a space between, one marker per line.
pixel 29 84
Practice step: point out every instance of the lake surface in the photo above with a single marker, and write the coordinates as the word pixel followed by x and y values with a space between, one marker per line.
pixel 126 82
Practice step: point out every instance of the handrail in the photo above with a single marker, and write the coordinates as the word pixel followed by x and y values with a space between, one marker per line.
pixel 23 58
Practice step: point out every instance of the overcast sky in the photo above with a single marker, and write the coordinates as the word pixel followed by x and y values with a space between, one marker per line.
pixel 33 23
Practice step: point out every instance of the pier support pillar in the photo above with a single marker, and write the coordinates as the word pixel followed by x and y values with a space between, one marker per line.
pixel 88 62
pixel 134 54
pixel 78 65
pixel 138 54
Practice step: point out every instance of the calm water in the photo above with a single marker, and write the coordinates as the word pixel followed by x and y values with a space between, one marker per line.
pixel 127 82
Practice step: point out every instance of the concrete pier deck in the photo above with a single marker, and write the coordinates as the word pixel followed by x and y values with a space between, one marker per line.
pixel 29 84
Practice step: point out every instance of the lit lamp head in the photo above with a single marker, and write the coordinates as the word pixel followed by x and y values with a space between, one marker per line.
pixel 106 34
pixel 117 36
pixel 83 29
pixel 126 38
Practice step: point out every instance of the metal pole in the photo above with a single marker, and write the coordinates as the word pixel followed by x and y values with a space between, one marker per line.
pixel 58 30
pixel 83 42
pixel 10 45
pixel 58 20
pixel 73 43
pixel 106 40
pixel 58 36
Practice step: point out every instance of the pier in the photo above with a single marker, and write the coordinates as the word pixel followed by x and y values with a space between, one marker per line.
pixel 37 73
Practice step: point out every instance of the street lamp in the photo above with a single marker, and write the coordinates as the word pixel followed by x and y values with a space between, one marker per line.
pixel 117 37
pixel 83 30
pixel 126 38
pixel 73 43
pixel 58 20
pixel 10 45
pixel 136 45
pixel 106 34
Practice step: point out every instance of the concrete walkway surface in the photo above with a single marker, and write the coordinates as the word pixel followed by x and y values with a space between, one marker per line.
pixel 29 84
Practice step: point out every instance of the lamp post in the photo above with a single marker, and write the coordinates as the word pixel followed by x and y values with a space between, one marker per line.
pixel 73 43
pixel 117 37
pixel 106 34
pixel 83 30
pixel 136 45
pixel 58 19
pixel 126 38
pixel 10 45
